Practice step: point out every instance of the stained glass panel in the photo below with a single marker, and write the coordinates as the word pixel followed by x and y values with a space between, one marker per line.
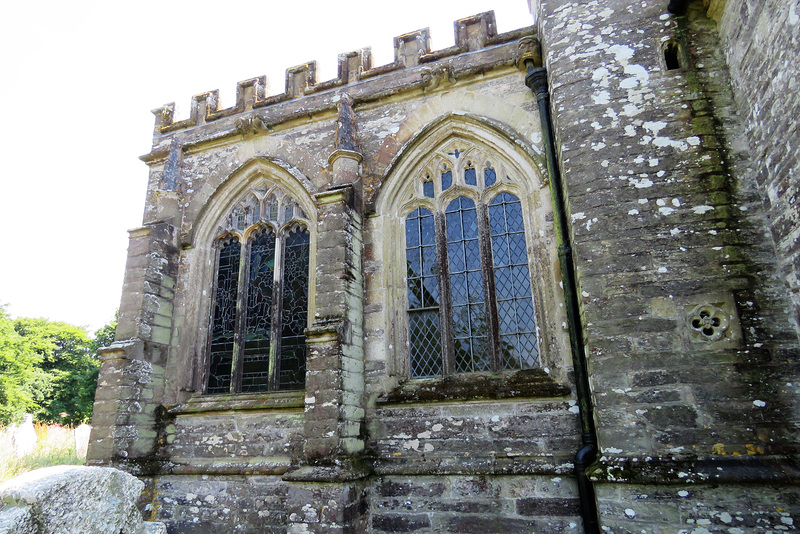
pixel 292 361
pixel 271 208
pixel 466 286
pixel 255 357
pixel 516 317
pixel 223 328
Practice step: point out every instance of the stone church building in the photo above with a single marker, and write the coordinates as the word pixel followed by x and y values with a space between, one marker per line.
pixel 543 280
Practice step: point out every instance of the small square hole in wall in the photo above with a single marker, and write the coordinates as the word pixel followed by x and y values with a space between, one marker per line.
pixel 672 56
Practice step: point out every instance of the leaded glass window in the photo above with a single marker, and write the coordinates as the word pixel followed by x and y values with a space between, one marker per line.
pixel 260 308
pixel 470 298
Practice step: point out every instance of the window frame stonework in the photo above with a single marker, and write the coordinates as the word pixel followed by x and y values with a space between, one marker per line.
pixel 204 221
pixel 256 213
pixel 517 174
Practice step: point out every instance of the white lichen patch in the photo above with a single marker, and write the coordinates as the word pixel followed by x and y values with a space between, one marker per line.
pixel 411 444
pixel 602 97
pixel 654 127
pixel 640 184
pixel 699 210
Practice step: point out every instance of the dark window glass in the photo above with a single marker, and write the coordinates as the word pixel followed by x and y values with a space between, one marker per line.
pixel 427 189
pixel 258 340
pixel 292 362
pixel 223 329
pixel 466 287
pixel 257 335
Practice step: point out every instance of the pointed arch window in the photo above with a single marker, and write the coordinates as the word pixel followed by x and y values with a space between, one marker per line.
pixel 260 307
pixel 470 298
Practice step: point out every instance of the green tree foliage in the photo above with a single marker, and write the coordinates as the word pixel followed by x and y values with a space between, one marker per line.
pixel 48 368
pixel 104 336
pixel 23 384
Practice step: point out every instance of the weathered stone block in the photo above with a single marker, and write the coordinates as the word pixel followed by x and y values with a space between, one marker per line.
pixel 67 499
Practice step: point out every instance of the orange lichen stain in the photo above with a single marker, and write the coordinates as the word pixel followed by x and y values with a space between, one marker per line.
pixel 753 449
pixel 718 448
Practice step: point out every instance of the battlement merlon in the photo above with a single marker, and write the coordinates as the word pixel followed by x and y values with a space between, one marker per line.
pixel 410 50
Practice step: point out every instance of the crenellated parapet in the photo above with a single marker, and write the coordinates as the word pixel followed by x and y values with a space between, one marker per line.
pixel 411 51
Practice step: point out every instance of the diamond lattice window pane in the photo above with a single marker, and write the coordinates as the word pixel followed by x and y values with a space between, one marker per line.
pixel 424 340
pixel 512 284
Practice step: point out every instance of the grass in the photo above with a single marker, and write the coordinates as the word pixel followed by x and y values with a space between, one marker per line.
pixel 55 445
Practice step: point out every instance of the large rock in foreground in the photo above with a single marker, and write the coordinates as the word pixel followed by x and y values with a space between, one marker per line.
pixel 68 499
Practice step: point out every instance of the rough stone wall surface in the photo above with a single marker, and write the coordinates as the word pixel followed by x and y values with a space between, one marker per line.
pixel 474 504
pixel 697 509
pixel 760 40
pixel 211 504
pixel 656 232
pixel 232 442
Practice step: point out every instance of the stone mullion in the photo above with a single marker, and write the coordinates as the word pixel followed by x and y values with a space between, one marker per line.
pixel 241 318
pixel 445 302
pixel 276 322
pixel 487 266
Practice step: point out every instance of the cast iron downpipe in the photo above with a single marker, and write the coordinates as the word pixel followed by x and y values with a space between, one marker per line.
pixel 536 80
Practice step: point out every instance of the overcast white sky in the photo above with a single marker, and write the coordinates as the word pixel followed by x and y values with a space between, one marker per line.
pixel 79 79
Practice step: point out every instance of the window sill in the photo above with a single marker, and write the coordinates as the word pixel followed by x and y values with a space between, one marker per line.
pixel 241 401
pixel 477 386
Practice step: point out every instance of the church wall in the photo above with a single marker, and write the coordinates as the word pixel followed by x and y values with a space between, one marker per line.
pixel 759 42
pixel 691 350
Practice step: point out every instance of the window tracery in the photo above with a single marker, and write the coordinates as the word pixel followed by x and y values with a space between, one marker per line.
pixel 470 299
pixel 260 306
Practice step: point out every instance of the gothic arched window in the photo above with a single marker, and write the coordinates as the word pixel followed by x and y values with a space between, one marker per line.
pixel 260 306
pixel 470 300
